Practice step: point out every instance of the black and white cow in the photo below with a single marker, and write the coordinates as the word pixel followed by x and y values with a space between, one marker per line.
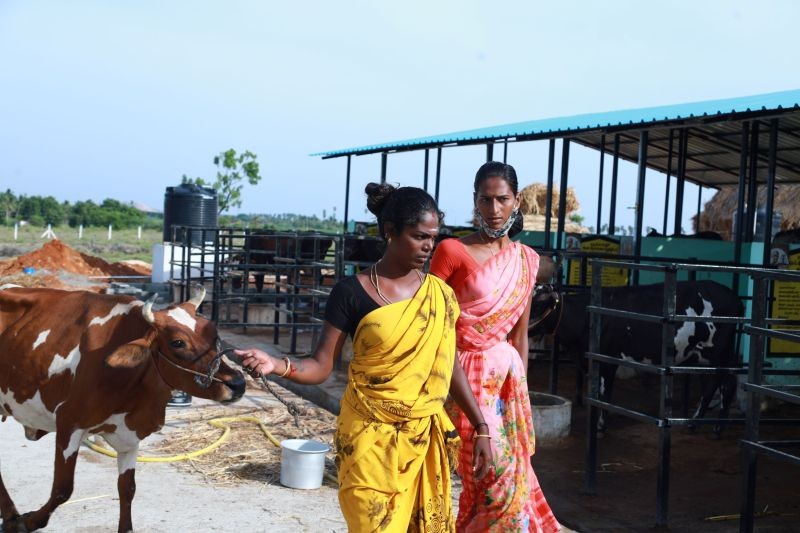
pixel 696 343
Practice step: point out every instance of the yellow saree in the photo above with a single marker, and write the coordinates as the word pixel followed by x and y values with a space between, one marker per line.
pixel 393 435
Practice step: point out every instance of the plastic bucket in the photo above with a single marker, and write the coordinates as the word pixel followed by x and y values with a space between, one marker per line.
pixel 302 463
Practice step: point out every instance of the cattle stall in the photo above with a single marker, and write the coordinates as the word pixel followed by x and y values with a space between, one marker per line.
pixel 259 278
pixel 762 330
pixel 610 322
pixel 749 143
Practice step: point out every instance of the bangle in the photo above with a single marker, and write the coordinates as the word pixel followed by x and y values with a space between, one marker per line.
pixel 288 367
pixel 475 433
pixel 484 436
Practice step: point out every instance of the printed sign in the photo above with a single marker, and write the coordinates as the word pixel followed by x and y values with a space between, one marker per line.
pixel 786 304
pixel 612 277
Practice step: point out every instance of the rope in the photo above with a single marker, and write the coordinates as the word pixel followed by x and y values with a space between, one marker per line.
pixel 290 406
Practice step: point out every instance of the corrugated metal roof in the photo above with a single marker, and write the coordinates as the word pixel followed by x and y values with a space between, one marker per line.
pixel 598 123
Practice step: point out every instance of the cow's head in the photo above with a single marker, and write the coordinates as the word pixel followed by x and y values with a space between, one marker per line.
pixel 546 311
pixel 186 351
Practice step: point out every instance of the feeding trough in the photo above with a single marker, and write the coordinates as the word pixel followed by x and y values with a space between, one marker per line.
pixel 551 418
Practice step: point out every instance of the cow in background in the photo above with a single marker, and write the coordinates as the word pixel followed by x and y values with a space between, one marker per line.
pixel 695 343
pixel 707 235
pixel 263 246
pixel 786 237
pixel 364 249
pixel 79 363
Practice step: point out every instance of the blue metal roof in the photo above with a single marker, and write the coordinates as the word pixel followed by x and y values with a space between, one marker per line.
pixel 563 126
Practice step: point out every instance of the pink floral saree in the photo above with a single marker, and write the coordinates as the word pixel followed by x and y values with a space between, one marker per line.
pixel 492 299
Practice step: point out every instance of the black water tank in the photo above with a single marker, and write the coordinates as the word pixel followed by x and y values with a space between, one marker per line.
pixel 189 205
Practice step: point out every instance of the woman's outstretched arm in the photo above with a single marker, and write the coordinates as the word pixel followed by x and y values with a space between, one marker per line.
pixel 310 370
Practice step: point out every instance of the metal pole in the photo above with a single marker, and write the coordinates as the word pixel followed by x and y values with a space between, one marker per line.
pixel 562 201
pixel 669 182
pixel 505 150
pixel 773 151
pixel 425 172
pixel 752 194
pixel 665 404
pixel 644 137
pixel 489 151
pixel 438 173
pixel 683 145
pixel 753 409
pixel 548 208
pixel 737 224
pixel 699 208
pixel 600 182
pixel 612 217
pixel 384 161
pixel 593 375
pixel 216 282
pixel 346 196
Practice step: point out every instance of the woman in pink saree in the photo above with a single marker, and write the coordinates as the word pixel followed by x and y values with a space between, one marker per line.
pixel 493 278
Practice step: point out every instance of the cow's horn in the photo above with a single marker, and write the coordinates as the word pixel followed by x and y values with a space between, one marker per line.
pixel 198 297
pixel 147 309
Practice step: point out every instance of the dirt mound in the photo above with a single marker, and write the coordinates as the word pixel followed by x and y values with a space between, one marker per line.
pixel 55 255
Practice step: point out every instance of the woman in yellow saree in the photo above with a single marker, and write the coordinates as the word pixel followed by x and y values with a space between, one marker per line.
pixel 393 437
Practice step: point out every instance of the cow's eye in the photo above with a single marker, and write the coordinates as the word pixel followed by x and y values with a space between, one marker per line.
pixel 178 344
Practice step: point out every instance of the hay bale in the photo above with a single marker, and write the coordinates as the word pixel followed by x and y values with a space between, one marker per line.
pixel 536 223
pixel 533 200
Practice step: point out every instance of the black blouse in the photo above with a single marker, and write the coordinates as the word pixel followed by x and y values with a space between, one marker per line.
pixel 347 304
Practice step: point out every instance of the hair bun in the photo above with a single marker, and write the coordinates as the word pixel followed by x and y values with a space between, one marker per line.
pixel 377 195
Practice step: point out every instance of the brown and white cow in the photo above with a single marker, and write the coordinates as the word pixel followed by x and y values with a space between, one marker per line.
pixel 81 363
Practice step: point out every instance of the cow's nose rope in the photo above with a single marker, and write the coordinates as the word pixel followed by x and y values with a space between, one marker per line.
pixel 204 380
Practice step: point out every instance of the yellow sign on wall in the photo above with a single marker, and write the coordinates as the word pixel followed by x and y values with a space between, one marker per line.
pixel 611 277
pixel 787 306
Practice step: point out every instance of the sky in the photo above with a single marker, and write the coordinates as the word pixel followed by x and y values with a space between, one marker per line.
pixel 108 99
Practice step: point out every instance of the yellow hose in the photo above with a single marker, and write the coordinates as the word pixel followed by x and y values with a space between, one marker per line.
pixel 221 423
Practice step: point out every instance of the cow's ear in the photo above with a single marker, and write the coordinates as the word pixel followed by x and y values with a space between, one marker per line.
pixel 129 355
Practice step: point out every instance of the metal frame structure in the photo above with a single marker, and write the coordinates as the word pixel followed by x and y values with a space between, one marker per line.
pixel 710 144
pixel 223 254
pixel 760 330
pixel 667 370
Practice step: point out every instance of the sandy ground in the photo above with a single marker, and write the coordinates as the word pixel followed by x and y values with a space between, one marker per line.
pixel 167 499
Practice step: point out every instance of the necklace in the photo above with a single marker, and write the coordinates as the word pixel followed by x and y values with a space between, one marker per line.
pixel 485 243
pixel 375 281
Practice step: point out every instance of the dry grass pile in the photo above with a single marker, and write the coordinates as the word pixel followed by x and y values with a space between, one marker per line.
pixel 247 455
pixel 717 214
pixel 537 223
pixel 533 200
pixel 46 280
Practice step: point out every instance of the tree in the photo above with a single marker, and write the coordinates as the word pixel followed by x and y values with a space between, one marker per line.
pixel 232 169
pixel 9 205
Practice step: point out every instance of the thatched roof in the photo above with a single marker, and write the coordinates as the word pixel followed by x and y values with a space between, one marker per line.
pixel 717 214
